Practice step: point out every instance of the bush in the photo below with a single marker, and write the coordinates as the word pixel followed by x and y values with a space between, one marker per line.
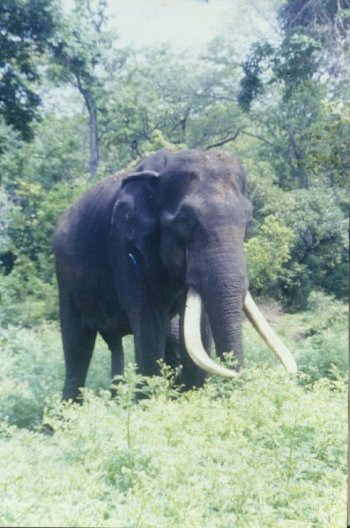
pixel 28 290
pixel 324 353
pixel 317 338
pixel 265 449
pixel 32 369
pixel 305 246
pixel 263 445
pixel 320 250
pixel 26 299
pixel 267 253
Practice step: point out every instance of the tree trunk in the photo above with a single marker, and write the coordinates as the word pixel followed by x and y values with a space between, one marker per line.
pixel 94 140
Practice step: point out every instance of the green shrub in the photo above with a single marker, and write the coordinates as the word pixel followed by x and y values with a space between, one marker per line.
pixel 32 369
pixel 26 299
pixel 267 449
pixel 320 251
pixel 268 252
pixel 28 291
pixel 324 353
pixel 262 446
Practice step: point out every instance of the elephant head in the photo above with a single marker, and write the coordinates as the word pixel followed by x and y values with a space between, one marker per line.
pixel 184 216
pixel 204 215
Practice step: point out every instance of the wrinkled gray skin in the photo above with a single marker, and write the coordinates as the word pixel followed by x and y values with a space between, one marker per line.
pixel 127 253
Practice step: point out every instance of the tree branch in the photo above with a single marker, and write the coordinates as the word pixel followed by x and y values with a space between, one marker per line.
pixel 258 137
pixel 224 141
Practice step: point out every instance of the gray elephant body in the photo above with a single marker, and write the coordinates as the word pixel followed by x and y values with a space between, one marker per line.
pixel 126 254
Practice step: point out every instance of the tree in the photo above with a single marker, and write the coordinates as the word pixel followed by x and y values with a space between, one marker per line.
pixel 314 45
pixel 296 97
pixel 53 162
pixel 81 51
pixel 189 104
pixel 25 28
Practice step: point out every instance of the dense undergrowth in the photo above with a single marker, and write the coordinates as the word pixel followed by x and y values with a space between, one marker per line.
pixel 262 450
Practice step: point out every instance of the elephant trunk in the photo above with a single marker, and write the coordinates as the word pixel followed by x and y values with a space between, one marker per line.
pixel 223 302
pixel 192 335
pixel 221 291
pixel 224 297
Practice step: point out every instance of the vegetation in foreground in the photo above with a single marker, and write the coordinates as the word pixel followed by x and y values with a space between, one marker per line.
pixel 263 450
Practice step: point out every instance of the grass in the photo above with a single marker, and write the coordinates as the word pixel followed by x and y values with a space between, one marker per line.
pixel 263 450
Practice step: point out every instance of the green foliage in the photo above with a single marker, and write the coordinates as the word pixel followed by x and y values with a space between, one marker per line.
pixel 250 85
pixel 317 337
pixel 289 126
pixel 202 459
pixel 315 17
pixel 81 51
pixel 298 103
pixel 28 291
pixel 302 182
pixel 25 27
pixel 320 249
pixel 25 298
pixel 328 153
pixel 172 94
pixel 267 252
pixel 32 370
pixel 263 444
pixel 80 44
pixel 321 327
pixel 307 139
pixel 313 41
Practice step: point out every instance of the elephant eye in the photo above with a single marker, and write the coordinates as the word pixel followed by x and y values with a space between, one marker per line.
pixel 183 225
pixel 182 221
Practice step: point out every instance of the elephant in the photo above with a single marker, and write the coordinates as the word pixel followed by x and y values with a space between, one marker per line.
pixel 158 253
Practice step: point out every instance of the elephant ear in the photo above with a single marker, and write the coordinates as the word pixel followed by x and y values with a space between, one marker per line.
pixel 135 218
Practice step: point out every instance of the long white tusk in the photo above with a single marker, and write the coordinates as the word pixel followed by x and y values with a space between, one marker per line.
pixel 268 334
pixel 193 340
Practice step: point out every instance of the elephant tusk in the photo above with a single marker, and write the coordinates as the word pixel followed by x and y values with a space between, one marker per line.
pixel 193 340
pixel 268 334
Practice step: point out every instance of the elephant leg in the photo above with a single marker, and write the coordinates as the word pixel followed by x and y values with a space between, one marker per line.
pixel 114 343
pixel 191 375
pixel 150 330
pixel 78 344
pixel 172 355
pixel 117 360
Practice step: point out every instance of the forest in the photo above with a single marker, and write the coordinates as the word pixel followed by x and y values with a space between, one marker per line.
pixel 77 105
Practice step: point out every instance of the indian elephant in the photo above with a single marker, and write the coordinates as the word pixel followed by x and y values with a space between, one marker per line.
pixel 158 254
